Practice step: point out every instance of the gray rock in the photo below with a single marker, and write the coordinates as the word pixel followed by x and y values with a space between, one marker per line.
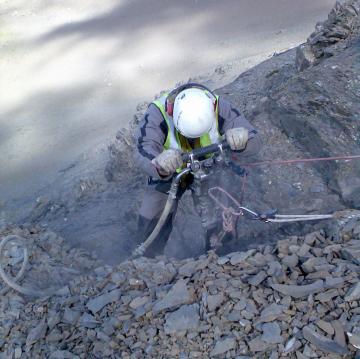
pixel 241 304
pixel 62 354
pixel 238 257
pixel 350 188
pixel 354 339
pixel 185 318
pixel 258 278
pixel 64 291
pixel 334 282
pixel 323 343
pixel 274 355
pixel 88 321
pixel 304 57
pixel 222 346
pixel 309 265
pixel 290 345
pixel 139 302
pixel 299 291
pixel 97 303
pixel 339 333
pixel 271 333
pixel 155 273
pixel 53 319
pixel 223 260
pixel 54 336
pixel 36 333
pixel 188 269
pixel 290 261
pixel 214 301
pixel 327 296
pixel 71 316
pixel 317 188
pixel 119 278
pixel 304 250
pixel 17 353
pixel 258 345
pixel 353 293
pixel 276 271
pixel 234 316
pixel 272 312
pixel 325 326
pixel 177 295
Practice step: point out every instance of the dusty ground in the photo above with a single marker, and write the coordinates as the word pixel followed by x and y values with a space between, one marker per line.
pixel 72 73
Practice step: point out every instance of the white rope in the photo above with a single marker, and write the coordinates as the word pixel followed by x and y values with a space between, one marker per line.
pixel 12 282
pixel 283 218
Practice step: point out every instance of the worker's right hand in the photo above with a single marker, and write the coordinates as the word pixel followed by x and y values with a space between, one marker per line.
pixel 167 162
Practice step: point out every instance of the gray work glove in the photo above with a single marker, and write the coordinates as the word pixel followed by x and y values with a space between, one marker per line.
pixel 168 161
pixel 237 138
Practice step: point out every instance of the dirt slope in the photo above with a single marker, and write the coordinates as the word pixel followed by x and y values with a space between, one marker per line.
pixel 312 113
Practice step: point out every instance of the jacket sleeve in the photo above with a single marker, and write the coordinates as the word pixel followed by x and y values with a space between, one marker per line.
pixel 231 117
pixel 150 138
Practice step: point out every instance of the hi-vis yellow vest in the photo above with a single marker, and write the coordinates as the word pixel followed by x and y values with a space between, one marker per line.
pixel 172 139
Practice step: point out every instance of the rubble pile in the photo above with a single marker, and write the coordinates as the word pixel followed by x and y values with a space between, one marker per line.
pixel 343 23
pixel 296 299
pixel 51 263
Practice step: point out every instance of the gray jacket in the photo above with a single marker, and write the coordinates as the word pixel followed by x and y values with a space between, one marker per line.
pixel 153 129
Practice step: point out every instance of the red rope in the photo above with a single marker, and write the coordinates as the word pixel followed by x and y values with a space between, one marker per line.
pixel 243 188
pixel 281 162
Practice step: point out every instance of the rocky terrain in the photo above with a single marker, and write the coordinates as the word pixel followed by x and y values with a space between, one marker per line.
pixel 277 291
pixel 301 108
pixel 296 299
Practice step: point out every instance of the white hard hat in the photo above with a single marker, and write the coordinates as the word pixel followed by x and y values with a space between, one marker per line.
pixel 194 112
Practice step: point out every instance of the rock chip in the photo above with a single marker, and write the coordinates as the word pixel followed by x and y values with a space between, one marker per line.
pixel 353 293
pixel 185 318
pixel 138 302
pixel 222 346
pixel 299 291
pixel 290 261
pixel 98 303
pixel 354 340
pixel 239 257
pixel 88 321
pixel 214 301
pixel 177 295
pixel 272 312
pixel 36 333
pixel 258 345
pixel 323 343
pixel 271 333
pixel 257 279
pixel 71 316
pixel 63 354
pixel 325 326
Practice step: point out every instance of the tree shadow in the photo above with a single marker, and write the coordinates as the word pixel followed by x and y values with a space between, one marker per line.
pixel 36 134
pixel 132 18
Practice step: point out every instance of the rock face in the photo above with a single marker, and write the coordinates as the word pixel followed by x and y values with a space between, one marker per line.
pixel 209 307
pixel 309 114
pixel 324 120
pixel 313 113
pixel 343 23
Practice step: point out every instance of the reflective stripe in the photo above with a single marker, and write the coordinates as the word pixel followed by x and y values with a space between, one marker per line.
pixel 172 138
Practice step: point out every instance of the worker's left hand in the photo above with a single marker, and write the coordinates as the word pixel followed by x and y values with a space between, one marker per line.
pixel 237 138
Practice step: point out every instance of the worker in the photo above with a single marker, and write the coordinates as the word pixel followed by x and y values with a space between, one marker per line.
pixel 189 117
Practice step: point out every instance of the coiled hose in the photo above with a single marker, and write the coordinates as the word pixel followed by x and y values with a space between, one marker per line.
pixel 171 200
pixel 12 282
pixel 139 251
